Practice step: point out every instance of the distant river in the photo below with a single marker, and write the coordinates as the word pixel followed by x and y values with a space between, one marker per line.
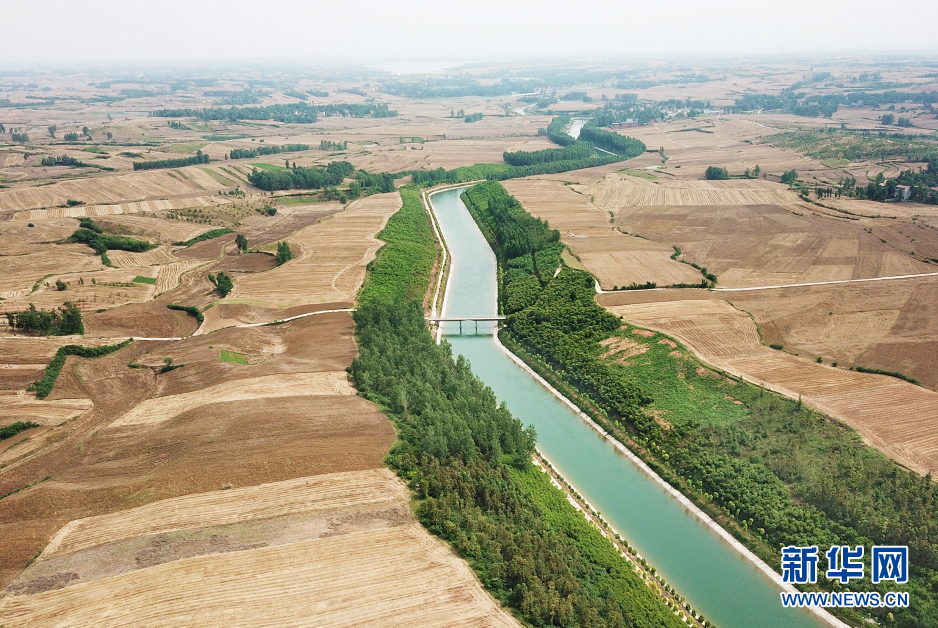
pixel 716 579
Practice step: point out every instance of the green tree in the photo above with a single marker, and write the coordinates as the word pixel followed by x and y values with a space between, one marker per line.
pixel 790 176
pixel 284 254
pixel 223 283
pixel 86 131
pixel 52 129
pixel 716 173
pixel 887 118
pixel 242 243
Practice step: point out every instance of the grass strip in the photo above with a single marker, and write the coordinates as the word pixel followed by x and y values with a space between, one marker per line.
pixel 231 356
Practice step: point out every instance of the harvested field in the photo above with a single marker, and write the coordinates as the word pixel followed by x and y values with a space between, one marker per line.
pixel 126 259
pixel 889 325
pixel 617 191
pixel 169 275
pixel 330 260
pixel 765 245
pixel 81 211
pixel 268 387
pixel 897 417
pixel 247 263
pixel 329 491
pixel 113 189
pixel 21 272
pixel 393 576
pixel 614 258
pixel 276 439
pixel 22 407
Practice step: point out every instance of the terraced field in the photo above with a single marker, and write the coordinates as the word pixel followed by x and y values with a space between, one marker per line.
pixel 330 550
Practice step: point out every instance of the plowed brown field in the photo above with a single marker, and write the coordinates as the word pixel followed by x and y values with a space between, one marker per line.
pixel 897 417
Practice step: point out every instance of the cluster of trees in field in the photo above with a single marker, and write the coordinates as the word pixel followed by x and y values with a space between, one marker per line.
pixel 93 235
pixel 15 428
pixel 717 173
pixel 468 459
pixel 556 131
pixel 18 137
pixel 64 321
pixel 208 235
pixel 880 188
pixel 191 310
pixel 783 473
pixel 260 151
pixel 330 145
pixel 372 183
pixel 527 249
pixel 577 150
pixel 474 117
pixel 826 105
pixel 222 282
pixel 181 162
pixel 849 145
pixel 625 147
pixel 63 160
pixel 455 88
pixel 456 175
pixel 314 178
pixel 284 254
pixel 889 119
pixel 615 112
pixel 296 113
pixel 44 386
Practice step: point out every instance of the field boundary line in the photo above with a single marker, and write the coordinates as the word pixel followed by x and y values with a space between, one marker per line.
pixel 825 283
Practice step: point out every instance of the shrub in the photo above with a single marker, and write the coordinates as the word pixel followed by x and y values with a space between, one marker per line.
pixel 44 386
pixel 189 309
pixel 62 322
pixel 716 173
pixel 777 347
pixel 12 430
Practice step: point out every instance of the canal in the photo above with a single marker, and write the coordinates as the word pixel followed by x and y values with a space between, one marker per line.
pixel 715 578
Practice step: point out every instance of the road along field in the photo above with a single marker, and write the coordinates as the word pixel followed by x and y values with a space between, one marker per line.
pixel 331 550
pixel 897 417
pixel 614 258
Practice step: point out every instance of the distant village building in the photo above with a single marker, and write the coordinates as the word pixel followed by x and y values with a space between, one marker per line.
pixel 628 124
pixel 903 192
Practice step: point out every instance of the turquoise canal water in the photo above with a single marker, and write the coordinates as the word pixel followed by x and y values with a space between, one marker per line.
pixel 716 579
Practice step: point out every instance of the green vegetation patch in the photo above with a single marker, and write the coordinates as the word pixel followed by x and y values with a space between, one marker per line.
pixel 268 167
pixel 234 358
pixel 44 386
pixel 15 428
pixel 208 235
pixel 401 270
pixel 189 309
pixel 842 146
pixel 149 280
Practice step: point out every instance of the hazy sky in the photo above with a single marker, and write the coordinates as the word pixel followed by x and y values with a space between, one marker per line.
pixel 66 32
